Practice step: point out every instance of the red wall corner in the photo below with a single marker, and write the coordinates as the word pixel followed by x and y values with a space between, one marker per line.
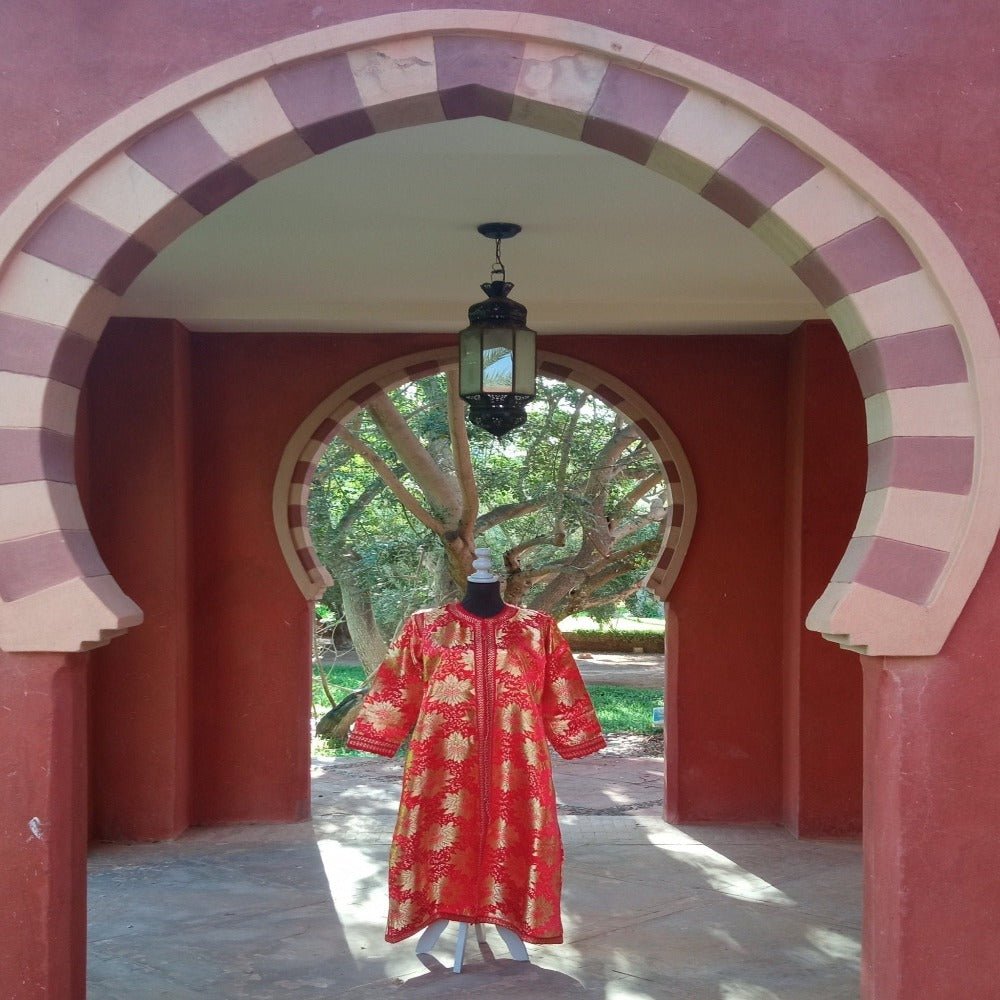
pixel 824 487
pixel 138 474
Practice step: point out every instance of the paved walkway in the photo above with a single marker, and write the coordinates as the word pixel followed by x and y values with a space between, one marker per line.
pixel 637 670
pixel 650 910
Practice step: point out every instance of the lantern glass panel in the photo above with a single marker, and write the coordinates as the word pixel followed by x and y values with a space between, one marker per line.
pixel 524 363
pixel 498 359
pixel 470 369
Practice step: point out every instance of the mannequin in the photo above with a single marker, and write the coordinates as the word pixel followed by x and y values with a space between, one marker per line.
pixel 482 592
pixel 481 700
pixel 484 600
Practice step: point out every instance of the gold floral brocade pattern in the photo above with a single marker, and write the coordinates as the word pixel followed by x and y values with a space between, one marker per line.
pixel 477 838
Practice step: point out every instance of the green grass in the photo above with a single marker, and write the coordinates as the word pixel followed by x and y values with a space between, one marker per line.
pixel 619 709
pixel 623 709
pixel 581 623
pixel 342 680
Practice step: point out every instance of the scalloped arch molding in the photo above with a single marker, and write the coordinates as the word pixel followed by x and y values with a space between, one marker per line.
pixel 307 444
pixel 922 340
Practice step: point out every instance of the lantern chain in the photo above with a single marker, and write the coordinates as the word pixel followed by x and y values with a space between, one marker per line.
pixel 498 267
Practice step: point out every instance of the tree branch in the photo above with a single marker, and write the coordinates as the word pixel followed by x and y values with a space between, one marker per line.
pixel 508 511
pixel 402 494
pixel 459 433
pixel 440 490
pixel 636 494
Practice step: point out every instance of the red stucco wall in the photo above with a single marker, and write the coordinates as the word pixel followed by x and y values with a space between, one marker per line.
pixel 932 804
pixel 914 86
pixel 252 638
pixel 246 659
pixel 727 400
pixel 43 868
pixel 726 701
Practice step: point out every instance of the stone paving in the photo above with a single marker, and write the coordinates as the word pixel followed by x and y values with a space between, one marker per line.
pixel 650 910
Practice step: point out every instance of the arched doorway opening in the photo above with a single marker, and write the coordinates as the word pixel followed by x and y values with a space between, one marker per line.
pixel 890 280
pixel 655 568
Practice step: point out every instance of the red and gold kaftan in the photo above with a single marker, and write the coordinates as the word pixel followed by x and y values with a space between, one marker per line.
pixel 477 838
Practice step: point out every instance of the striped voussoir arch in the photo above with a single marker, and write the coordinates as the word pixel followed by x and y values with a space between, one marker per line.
pixel 920 336
pixel 307 445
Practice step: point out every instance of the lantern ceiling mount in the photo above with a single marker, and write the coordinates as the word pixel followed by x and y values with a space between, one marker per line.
pixel 499 230
pixel 497 350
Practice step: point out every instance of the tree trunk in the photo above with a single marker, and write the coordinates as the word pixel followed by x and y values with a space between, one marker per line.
pixel 368 641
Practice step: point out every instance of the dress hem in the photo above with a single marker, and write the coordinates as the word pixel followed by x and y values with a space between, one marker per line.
pixel 370 746
pixel 583 750
pixel 394 937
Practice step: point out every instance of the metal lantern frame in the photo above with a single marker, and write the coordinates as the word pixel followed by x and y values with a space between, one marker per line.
pixel 497 355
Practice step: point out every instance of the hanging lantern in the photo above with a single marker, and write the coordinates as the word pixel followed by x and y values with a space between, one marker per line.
pixel 497 350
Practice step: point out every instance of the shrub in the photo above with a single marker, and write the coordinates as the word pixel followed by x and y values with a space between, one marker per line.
pixel 608 641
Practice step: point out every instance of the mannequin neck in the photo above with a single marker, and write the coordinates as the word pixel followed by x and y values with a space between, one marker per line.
pixel 483 599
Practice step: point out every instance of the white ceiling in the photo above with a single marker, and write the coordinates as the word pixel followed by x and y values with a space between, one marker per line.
pixel 380 236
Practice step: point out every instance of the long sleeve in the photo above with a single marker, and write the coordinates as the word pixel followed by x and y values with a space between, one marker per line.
pixel 570 720
pixel 390 708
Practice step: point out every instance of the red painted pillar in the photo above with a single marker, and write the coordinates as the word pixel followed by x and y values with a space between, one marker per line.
pixel 43 826
pixel 826 463
pixel 932 812
pixel 724 683
pixel 139 486
pixel 252 680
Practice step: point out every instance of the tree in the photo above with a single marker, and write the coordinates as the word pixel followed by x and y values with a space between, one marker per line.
pixel 574 502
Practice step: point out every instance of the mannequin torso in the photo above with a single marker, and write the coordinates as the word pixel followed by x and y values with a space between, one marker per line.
pixel 483 599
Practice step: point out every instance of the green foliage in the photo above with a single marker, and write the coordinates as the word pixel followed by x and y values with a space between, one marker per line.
pixel 644 604
pixel 359 526
pixel 579 638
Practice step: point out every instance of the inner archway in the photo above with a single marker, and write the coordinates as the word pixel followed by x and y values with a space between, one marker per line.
pixel 295 474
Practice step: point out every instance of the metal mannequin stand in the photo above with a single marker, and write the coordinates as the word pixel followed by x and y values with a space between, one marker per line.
pixel 430 936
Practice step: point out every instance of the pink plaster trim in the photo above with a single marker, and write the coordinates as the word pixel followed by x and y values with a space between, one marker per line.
pixel 326 430
pixel 935 464
pixel 184 156
pixel 362 395
pixel 303 472
pixel 924 357
pixel 42 561
pixel 609 396
pixel 550 368
pixel 309 560
pixel 630 112
pixel 33 454
pixel 758 175
pixel 897 568
pixel 78 241
pixel 652 435
pixel 868 255
pixel 322 101
pixel 415 371
pixel 32 348
pixel 477 75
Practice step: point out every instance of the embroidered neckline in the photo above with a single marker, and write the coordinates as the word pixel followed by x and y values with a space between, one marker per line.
pixel 456 609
